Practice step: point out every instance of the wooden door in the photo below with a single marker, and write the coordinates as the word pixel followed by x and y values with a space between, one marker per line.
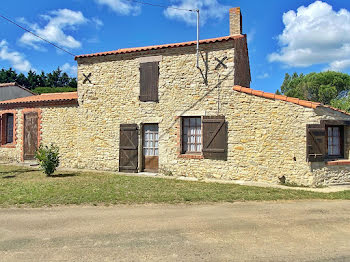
pixel 150 147
pixel 128 148
pixel 30 139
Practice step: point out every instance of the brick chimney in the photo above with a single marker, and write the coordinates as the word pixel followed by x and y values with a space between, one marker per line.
pixel 235 21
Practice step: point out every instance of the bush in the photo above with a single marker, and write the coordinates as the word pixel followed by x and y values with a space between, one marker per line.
pixel 48 158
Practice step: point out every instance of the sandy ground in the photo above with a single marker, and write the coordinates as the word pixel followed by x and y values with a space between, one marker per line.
pixel 251 231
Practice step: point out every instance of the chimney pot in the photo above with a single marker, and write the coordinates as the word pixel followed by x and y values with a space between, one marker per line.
pixel 235 21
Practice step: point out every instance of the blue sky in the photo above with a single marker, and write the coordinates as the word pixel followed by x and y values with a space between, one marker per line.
pixel 284 36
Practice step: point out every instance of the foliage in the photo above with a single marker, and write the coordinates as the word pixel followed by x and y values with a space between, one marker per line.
pixel 48 158
pixel 323 87
pixel 41 90
pixel 56 78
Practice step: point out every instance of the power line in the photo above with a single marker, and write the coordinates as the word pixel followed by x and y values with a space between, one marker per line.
pixel 25 29
pixel 163 6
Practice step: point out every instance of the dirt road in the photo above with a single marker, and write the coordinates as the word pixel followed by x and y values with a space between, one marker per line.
pixel 251 231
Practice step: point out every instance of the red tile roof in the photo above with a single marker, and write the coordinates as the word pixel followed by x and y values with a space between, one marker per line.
pixel 50 97
pixel 294 100
pixel 154 47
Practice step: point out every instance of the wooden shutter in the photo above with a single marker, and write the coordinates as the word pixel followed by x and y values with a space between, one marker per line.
pixel 30 135
pixel 149 76
pixel 315 143
pixel 214 137
pixel 128 148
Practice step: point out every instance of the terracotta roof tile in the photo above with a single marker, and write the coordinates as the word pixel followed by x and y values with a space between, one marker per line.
pixel 154 47
pixel 294 100
pixel 50 97
pixel 279 97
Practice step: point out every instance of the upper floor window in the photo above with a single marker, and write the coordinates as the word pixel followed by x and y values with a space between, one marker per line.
pixel 149 77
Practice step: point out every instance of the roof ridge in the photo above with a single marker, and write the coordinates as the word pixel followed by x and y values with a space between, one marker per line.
pixel 49 97
pixel 171 45
pixel 58 93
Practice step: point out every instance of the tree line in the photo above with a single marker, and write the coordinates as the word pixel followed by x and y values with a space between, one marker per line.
pixel 32 80
pixel 330 88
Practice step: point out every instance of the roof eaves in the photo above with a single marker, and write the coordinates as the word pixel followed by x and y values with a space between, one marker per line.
pixel 155 47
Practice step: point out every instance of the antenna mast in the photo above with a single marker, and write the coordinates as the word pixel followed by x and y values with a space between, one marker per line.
pixel 197 10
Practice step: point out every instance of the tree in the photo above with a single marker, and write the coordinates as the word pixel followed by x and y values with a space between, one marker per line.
pixel 321 87
pixel 32 80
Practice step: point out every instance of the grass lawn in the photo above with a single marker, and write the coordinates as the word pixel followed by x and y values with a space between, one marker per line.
pixel 20 186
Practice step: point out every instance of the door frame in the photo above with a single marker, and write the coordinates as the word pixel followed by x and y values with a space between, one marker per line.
pixel 142 162
pixel 39 132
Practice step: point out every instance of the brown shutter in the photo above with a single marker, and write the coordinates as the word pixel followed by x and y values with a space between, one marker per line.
pixel 214 137
pixel 149 76
pixel 128 148
pixel 315 143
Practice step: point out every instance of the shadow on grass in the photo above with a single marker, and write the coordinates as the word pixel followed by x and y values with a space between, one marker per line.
pixel 63 175
pixel 9 176
pixel 18 171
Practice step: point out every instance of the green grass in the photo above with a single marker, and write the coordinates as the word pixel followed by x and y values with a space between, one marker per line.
pixel 21 186
pixel 42 90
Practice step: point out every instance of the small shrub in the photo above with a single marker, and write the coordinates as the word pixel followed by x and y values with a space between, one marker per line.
pixel 48 158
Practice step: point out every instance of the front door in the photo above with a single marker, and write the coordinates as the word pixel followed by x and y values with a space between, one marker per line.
pixel 30 139
pixel 128 148
pixel 150 147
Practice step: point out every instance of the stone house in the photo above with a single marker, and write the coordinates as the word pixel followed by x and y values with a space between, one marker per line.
pixel 151 109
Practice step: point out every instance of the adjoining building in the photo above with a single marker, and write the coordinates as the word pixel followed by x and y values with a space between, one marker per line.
pixel 13 90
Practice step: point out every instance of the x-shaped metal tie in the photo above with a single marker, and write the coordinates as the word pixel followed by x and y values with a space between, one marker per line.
pixel 87 78
pixel 220 63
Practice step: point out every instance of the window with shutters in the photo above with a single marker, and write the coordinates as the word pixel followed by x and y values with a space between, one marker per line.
pixel 7 128
pixel 191 135
pixel 149 78
pixel 335 137
pixel 205 136
pixel 324 142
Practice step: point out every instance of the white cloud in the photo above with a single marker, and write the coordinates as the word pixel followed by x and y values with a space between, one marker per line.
pixel 315 34
pixel 59 22
pixel 263 76
pixel 122 7
pixel 70 69
pixel 16 59
pixel 340 65
pixel 209 9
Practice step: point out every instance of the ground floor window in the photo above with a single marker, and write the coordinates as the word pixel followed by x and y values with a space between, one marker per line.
pixel 7 128
pixel 191 135
pixel 335 141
